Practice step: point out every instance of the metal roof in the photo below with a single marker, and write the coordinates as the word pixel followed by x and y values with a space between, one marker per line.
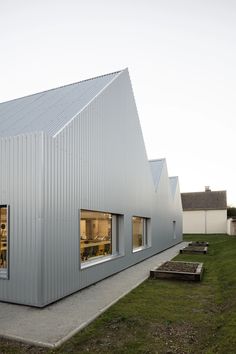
pixel 209 200
pixel 156 168
pixel 49 111
pixel 173 184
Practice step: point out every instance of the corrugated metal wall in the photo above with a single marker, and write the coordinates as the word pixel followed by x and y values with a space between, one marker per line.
pixel 21 188
pixel 99 162
pixel 50 110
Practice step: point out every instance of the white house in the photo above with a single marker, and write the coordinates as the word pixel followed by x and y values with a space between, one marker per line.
pixel 79 200
pixel 204 212
pixel 231 226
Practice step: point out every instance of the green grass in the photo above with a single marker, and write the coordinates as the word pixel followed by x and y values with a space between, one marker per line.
pixel 162 316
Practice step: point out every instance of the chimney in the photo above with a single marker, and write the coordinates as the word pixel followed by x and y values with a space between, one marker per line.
pixel 207 189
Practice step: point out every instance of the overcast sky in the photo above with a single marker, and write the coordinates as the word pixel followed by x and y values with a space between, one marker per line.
pixel 181 56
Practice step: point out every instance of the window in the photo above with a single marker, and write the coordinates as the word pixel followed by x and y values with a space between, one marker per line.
pixel 3 240
pixel 140 234
pixel 98 235
pixel 174 230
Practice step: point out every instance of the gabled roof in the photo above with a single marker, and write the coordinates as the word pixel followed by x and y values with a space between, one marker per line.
pixel 208 200
pixel 156 169
pixel 49 111
pixel 173 184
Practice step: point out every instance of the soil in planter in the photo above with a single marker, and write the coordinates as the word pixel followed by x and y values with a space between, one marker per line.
pixel 194 248
pixel 179 267
pixel 199 243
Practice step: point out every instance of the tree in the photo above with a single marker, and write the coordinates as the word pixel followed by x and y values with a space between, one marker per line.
pixel 231 212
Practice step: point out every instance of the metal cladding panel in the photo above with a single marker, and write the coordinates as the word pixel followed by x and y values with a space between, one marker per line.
pixel 156 170
pixel 178 211
pixel 98 162
pixel 49 111
pixel 21 189
pixel 173 185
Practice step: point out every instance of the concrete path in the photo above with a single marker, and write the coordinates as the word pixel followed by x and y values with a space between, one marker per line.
pixel 58 322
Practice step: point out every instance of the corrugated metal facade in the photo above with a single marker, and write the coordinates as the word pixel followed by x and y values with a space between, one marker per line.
pixel 21 189
pixel 156 170
pixel 97 162
pixel 49 111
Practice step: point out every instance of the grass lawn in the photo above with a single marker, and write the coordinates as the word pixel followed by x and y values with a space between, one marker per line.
pixel 162 316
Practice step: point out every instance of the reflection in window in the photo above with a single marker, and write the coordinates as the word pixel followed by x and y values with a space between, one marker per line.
pixel 3 237
pixel 97 234
pixel 139 232
pixel 174 230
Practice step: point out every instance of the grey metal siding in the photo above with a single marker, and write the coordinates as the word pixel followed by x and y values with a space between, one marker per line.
pixel 49 111
pixel 21 189
pixel 98 162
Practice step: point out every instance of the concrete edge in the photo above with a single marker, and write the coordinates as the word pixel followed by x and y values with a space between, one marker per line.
pixel 27 341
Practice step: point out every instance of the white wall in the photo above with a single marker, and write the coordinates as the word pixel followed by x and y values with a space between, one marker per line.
pixel 231 227
pixel 205 221
pixel 194 222
pixel 216 222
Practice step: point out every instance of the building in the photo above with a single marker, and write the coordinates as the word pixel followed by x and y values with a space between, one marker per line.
pixel 204 212
pixel 231 226
pixel 79 201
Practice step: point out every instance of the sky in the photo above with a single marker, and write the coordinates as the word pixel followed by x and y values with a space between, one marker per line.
pixel 181 57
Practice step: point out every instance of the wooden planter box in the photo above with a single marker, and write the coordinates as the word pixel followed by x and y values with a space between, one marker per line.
pixel 172 272
pixel 199 243
pixel 195 250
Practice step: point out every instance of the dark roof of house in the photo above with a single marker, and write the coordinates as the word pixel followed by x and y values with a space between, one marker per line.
pixel 215 200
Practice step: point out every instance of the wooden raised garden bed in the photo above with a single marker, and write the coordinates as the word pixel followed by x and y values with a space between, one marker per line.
pixel 198 243
pixel 195 249
pixel 178 270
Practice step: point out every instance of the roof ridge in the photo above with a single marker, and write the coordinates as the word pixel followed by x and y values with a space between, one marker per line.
pixel 154 160
pixel 59 87
pixel 204 192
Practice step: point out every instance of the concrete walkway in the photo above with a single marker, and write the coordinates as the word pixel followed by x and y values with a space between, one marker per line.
pixel 58 322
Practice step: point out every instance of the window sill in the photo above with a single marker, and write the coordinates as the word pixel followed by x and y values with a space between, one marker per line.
pixel 138 249
pixel 3 274
pixel 94 262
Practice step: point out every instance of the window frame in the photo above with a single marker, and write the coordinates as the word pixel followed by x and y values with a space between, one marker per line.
pixel 146 242
pixel 4 272
pixel 115 240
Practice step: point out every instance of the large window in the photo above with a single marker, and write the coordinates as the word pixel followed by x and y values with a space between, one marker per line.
pixel 98 235
pixel 3 240
pixel 140 235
